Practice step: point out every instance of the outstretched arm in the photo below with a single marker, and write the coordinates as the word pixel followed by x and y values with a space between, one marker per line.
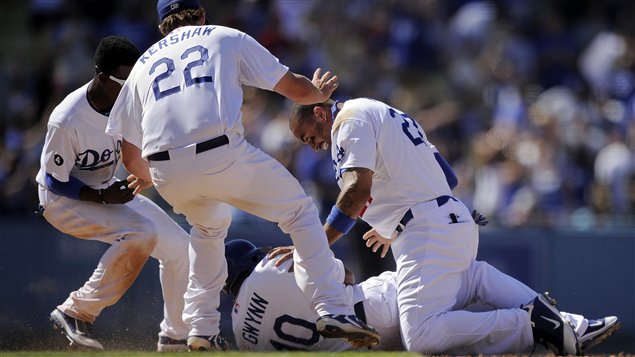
pixel 301 90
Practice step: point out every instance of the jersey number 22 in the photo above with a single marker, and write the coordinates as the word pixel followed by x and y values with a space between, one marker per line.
pixel 187 72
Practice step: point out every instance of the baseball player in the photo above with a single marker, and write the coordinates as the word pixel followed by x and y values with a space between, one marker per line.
pixel 269 312
pixel 80 196
pixel 392 177
pixel 179 114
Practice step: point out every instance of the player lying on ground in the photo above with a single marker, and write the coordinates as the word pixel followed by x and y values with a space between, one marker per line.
pixel 80 196
pixel 270 313
pixel 393 178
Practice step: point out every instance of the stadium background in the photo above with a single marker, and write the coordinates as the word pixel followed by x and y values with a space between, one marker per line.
pixel 532 101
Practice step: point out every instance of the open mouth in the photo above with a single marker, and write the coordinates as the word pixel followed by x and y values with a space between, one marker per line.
pixel 322 146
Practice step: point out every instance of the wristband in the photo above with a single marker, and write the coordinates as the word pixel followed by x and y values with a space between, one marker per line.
pixel 339 220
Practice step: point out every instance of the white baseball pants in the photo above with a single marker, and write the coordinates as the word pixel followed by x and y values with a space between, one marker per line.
pixel 436 274
pixel 135 230
pixel 202 186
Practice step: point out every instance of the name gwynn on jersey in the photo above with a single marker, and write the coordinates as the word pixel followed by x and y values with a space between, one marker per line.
pixel 175 38
pixel 255 313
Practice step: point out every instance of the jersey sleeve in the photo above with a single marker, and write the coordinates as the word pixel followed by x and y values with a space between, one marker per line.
pixel 125 117
pixel 258 67
pixel 59 153
pixel 355 145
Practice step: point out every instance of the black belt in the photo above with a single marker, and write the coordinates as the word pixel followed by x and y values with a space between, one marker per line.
pixel 441 200
pixel 360 312
pixel 200 147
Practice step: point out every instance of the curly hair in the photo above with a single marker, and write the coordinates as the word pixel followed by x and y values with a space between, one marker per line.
pixel 182 18
pixel 115 51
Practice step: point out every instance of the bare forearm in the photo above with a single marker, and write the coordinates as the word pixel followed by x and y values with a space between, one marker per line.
pixel 355 191
pixel 133 162
pixel 332 234
pixel 302 90
pixel 352 199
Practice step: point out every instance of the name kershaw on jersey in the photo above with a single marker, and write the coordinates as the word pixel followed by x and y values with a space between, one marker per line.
pixel 174 38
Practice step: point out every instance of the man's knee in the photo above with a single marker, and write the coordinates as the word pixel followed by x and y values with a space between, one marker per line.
pixel 430 338
pixel 142 235
pixel 212 230
pixel 303 216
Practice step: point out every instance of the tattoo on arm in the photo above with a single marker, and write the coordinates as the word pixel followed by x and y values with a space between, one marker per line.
pixel 346 202
pixel 354 196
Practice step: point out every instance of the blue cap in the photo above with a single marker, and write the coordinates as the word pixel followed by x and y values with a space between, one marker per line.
pixel 169 7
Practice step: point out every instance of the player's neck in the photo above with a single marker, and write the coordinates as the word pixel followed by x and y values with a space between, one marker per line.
pixel 98 99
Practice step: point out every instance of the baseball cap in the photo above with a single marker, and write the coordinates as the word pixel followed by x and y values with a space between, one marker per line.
pixel 169 7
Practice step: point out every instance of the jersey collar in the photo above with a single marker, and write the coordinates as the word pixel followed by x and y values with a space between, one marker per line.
pixel 334 110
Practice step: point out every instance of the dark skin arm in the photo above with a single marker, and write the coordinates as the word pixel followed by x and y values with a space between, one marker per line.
pixel 356 185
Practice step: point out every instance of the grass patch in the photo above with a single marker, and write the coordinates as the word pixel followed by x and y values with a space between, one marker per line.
pixel 225 354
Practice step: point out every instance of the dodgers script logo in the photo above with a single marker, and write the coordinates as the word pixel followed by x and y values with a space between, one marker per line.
pixel 339 156
pixel 92 160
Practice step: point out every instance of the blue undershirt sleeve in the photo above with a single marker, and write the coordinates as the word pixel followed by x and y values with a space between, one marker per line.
pixel 450 177
pixel 68 189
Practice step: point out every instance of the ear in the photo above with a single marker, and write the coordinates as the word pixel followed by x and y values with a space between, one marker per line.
pixel 319 113
pixel 203 20
pixel 101 76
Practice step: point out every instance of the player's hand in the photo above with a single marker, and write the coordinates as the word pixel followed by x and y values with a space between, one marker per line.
pixel 138 184
pixel 375 240
pixel 479 218
pixel 326 83
pixel 118 192
pixel 281 254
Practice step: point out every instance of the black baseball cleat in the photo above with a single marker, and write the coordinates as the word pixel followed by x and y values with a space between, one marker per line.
pixel 207 343
pixel 550 329
pixel 168 344
pixel 598 331
pixel 76 331
pixel 348 327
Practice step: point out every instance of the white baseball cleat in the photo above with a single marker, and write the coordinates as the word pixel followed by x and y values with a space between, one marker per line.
pixel 348 327
pixel 598 331
pixel 168 344
pixel 550 328
pixel 207 343
pixel 76 331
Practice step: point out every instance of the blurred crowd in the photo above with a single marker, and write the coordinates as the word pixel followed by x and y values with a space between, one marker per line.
pixel 531 101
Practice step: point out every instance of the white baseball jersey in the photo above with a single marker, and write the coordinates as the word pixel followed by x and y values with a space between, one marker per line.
pixel 270 313
pixel 153 110
pixel 370 134
pixel 435 253
pixel 76 145
pixel 185 90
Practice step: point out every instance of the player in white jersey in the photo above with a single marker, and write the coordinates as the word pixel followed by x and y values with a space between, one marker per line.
pixel 394 179
pixel 269 312
pixel 179 114
pixel 80 196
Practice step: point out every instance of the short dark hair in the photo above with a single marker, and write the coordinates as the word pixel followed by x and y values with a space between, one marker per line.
pixel 115 51
pixel 302 113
